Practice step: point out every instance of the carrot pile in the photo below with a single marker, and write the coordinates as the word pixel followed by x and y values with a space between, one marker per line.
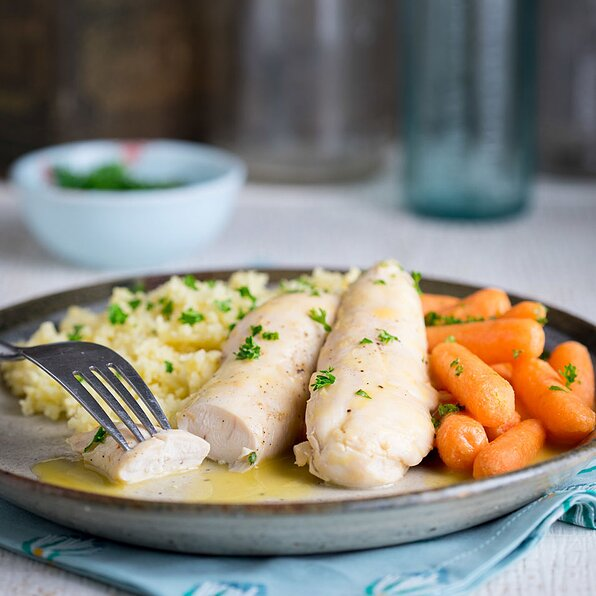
pixel 500 400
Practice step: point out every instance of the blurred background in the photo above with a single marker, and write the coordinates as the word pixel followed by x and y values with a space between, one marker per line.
pixel 370 115
pixel 304 90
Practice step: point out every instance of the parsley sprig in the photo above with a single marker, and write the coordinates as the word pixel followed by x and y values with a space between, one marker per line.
pixel 323 378
pixel 458 366
pixel 116 315
pixel 319 315
pixel 190 281
pixel 245 292
pixel 443 410
pixel 75 334
pixel 224 305
pixel 432 319
pixel 249 350
pixel 190 317
pixel 167 307
pixel 569 373
pixel 385 337
pixel 99 437
pixel 417 278
pixel 270 335
pixel 363 393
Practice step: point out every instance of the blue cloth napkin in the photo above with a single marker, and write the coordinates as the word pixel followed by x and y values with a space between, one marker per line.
pixel 453 564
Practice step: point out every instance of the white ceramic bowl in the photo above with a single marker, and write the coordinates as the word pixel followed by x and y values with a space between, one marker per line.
pixel 133 228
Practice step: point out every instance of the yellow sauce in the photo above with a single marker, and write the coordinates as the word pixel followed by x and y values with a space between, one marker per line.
pixel 272 480
pixel 277 479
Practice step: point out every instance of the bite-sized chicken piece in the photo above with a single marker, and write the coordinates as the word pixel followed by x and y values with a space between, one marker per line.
pixel 368 418
pixel 253 407
pixel 166 452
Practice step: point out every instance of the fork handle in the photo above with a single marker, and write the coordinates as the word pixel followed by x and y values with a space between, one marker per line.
pixel 9 352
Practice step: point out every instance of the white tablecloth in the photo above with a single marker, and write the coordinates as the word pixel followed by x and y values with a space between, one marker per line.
pixel 548 253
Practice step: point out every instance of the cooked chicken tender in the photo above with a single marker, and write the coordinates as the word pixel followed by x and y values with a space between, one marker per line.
pixel 368 419
pixel 253 407
pixel 164 453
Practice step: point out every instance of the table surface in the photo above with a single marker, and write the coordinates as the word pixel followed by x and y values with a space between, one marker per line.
pixel 547 253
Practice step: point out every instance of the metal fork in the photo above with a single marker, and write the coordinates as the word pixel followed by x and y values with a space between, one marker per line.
pixel 70 362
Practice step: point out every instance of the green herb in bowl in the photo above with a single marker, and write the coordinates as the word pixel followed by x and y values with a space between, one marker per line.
pixel 111 176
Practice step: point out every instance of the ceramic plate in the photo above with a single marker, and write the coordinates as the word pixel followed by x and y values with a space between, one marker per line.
pixel 426 504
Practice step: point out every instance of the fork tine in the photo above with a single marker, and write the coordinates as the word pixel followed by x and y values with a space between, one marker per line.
pixel 115 383
pixel 136 382
pixel 76 389
pixel 105 394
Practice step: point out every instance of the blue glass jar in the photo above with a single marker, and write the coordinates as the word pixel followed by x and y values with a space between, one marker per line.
pixel 469 82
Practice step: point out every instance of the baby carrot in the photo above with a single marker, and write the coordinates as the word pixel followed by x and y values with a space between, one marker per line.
pixel 573 360
pixel 492 432
pixel 437 302
pixel 493 341
pixel 505 369
pixel 527 310
pixel 513 450
pixel 486 303
pixel 542 391
pixel 486 396
pixel 459 440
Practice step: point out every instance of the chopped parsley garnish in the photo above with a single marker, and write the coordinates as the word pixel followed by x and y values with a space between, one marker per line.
pixel 556 388
pixel 75 334
pixel 149 305
pixel 99 437
pixel 450 339
pixel 433 319
pixel 190 281
pixel 167 308
pixel 169 366
pixel 223 305
pixel 363 393
pixel 569 373
pixel 365 341
pixel 380 282
pixel 319 316
pixel 231 326
pixel 459 368
pixel 443 410
pixel 116 315
pixel 543 320
pixel 211 283
pixel 190 317
pixel 323 378
pixel 138 287
pixel 270 335
pixel 245 293
pixel 241 314
pixel 385 337
pixel 256 329
pixel 304 285
pixel 252 458
pixel 134 304
pixel 249 350
pixel 516 353
pixel 417 278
